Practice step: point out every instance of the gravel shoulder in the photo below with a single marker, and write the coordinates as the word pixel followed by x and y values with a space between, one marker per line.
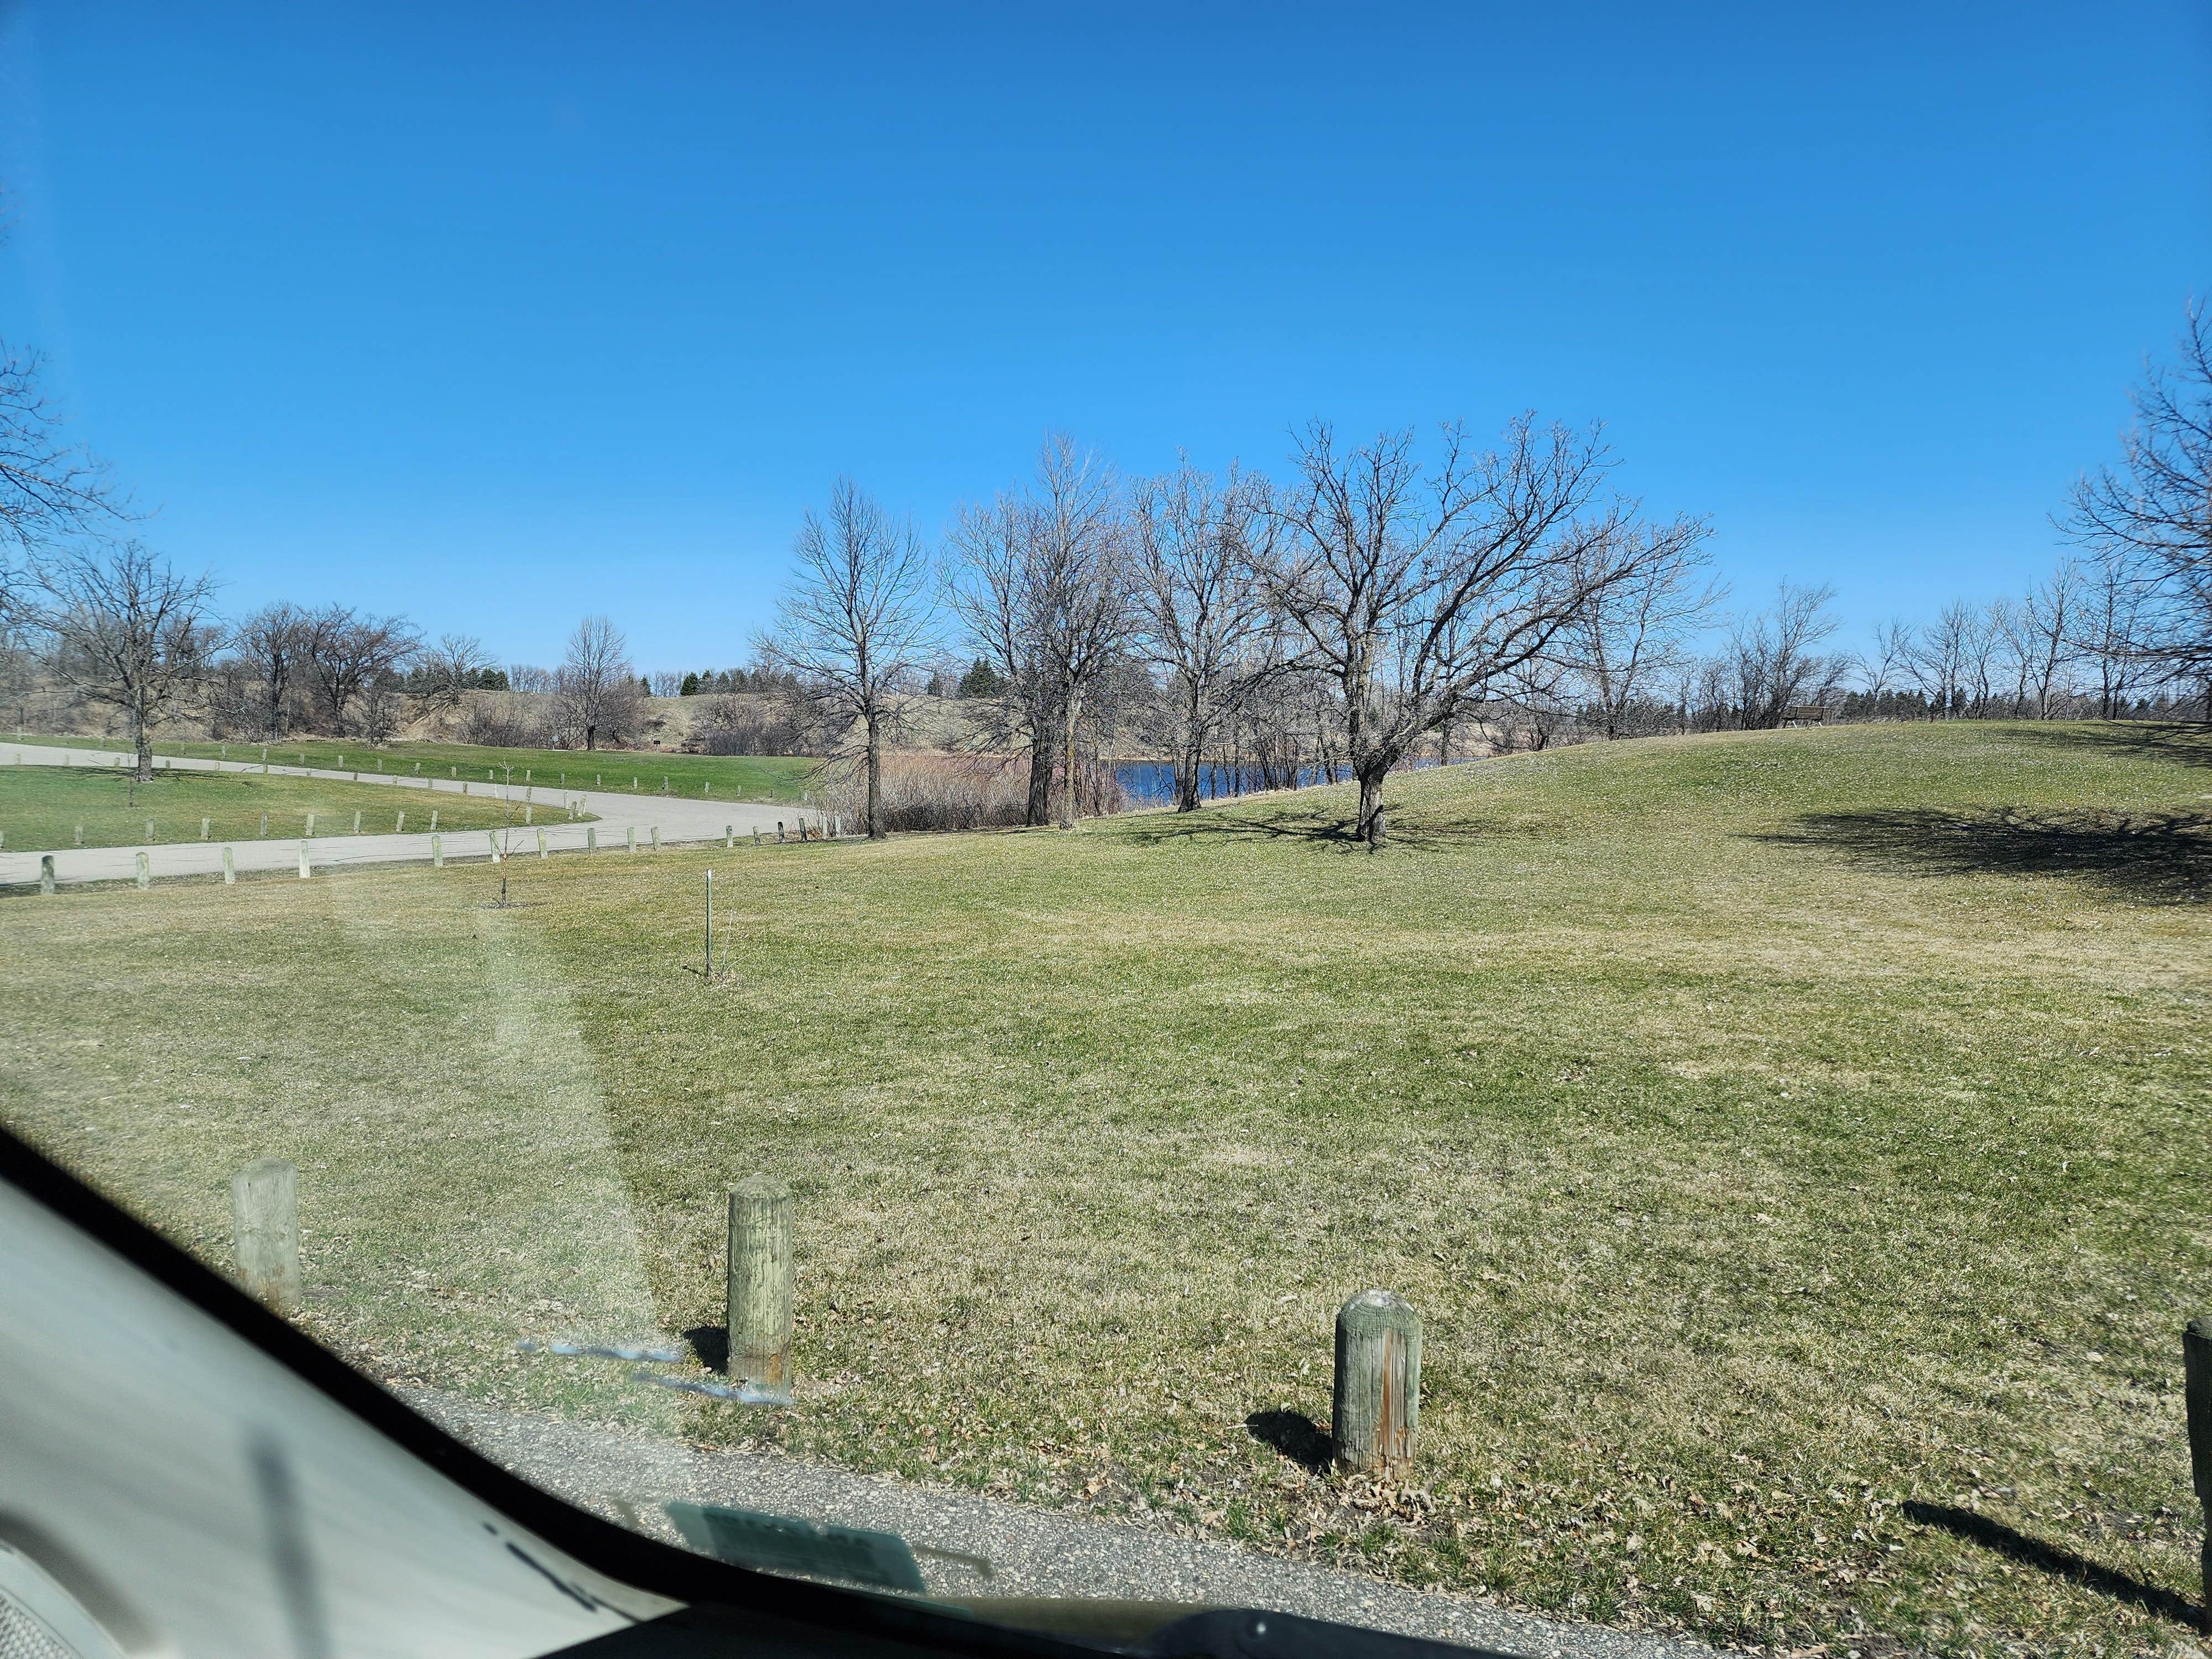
pixel 968 1545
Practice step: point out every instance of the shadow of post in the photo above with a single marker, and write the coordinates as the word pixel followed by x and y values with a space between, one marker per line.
pixel 2058 1562
pixel 1293 1434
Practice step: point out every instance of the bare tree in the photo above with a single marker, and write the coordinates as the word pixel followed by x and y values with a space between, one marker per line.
pixel 2154 509
pixel 451 669
pixel 1202 612
pixel 1895 646
pixel 122 629
pixel 596 688
pixel 51 490
pixel 853 627
pixel 272 645
pixel 1048 600
pixel 347 651
pixel 1775 662
pixel 2112 628
pixel 1629 635
pixel 1412 595
pixel 2052 622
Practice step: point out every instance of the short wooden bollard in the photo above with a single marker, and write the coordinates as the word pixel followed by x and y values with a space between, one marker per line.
pixel 631 836
pixel 203 829
pixel 760 1305
pixel 303 860
pixel 2196 1391
pixel 591 838
pixel 145 875
pixel 150 832
pixel 779 829
pixel 492 835
pixel 264 1230
pixel 229 869
pixel 541 843
pixel 45 873
pixel 399 824
pixel 311 823
pixel 757 834
pixel 357 824
pixel 729 834
pixel 526 810
pixel 656 838
pixel 437 852
pixel 433 819
pixel 1376 1408
pixel 264 825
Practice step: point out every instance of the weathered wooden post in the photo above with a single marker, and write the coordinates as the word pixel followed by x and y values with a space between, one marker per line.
pixel 492 835
pixel 229 869
pixel 356 821
pixel 80 835
pixel 629 836
pixel 656 838
pixel 526 810
pixel 265 826
pixel 541 843
pixel 760 1282
pixel 729 834
pixel 150 832
pixel 591 838
pixel 437 852
pixel 45 873
pixel 204 830
pixel 145 875
pixel 399 824
pixel 434 817
pixel 265 1230
pixel 1376 1406
pixel 757 834
pixel 303 860
pixel 779 829
pixel 705 790
pixel 311 823
pixel 2196 1391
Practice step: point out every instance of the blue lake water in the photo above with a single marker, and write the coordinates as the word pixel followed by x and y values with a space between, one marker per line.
pixel 1149 783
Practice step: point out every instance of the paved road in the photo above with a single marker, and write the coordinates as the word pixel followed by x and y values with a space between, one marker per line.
pixel 677 818
pixel 627 1475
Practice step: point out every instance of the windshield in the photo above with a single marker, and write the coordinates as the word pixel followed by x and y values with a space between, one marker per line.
pixel 1404 820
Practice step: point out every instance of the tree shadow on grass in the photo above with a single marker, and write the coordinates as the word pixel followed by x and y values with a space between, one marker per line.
pixel 1293 1434
pixel 2058 1562
pixel 2160 857
pixel 2183 745
pixel 1410 830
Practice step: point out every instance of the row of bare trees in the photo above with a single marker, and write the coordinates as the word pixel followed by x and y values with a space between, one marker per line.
pixel 1376 598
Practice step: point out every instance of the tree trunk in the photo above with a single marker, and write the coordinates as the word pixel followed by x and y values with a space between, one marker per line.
pixel 1188 764
pixel 1067 767
pixel 590 737
pixel 1369 828
pixel 875 781
pixel 145 746
pixel 1040 801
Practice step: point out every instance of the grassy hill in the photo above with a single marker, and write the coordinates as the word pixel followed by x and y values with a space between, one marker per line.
pixel 1795 1142
pixel 43 807
pixel 731 777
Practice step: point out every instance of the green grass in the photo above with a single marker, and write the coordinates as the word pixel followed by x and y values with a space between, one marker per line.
pixel 1775 1130
pixel 42 807
pixel 731 777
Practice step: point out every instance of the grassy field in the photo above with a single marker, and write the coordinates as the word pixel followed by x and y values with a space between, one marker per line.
pixel 1797 1143
pixel 731 777
pixel 42 807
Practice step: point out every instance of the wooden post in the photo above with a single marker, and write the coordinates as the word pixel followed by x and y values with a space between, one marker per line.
pixel 437 852
pixel 303 860
pixel 656 838
pixel 265 826
pixel 399 824
pixel 541 843
pixel 311 823
pixel 229 869
pixel 145 875
pixel 356 822
pixel 203 829
pixel 631 836
pixel 150 832
pixel 2196 1391
pixel 433 819
pixel 760 1305
pixel 1376 1404
pixel 591 838
pixel 492 835
pixel 526 810
pixel 710 926
pixel 265 1230
pixel 779 829
pixel 757 834
pixel 45 873
pixel 80 835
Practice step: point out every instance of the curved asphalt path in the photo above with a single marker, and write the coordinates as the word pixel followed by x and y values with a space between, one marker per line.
pixel 679 819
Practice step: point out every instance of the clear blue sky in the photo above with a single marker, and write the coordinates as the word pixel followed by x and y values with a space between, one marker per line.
pixel 499 315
